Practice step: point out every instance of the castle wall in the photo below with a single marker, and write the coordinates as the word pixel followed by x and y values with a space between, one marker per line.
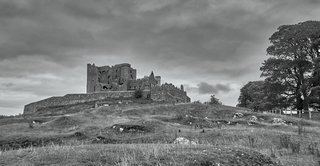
pixel 92 78
pixel 106 78
pixel 158 79
pixel 169 93
pixel 157 94
pixel 70 99
pixel 133 74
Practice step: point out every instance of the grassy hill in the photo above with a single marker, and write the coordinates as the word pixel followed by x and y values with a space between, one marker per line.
pixel 145 133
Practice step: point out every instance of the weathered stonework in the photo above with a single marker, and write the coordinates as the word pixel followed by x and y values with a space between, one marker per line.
pixel 120 77
pixel 118 81
pixel 106 78
pixel 123 77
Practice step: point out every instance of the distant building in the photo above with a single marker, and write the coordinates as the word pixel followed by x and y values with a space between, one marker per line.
pixel 122 77
pixel 289 112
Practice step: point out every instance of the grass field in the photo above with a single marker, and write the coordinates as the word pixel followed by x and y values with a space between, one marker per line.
pixel 144 134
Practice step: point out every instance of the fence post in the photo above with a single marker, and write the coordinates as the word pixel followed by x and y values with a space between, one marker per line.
pixel 309 114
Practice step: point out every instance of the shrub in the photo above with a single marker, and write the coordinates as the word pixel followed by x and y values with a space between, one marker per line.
pixel 284 141
pixel 252 142
pixel 313 149
pixel 295 146
pixel 30 124
pixel 300 127
pixel 138 93
pixel 273 152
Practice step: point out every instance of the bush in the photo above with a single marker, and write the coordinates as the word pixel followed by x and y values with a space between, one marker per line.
pixel 284 141
pixel 138 93
pixel 252 142
pixel 214 100
pixel 300 127
pixel 295 146
pixel 30 125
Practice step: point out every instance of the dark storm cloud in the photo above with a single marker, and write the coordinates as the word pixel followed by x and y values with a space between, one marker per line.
pixel 205 88
pixel 7 85
pixel 45 44
pixel 55 28
pixel 161 30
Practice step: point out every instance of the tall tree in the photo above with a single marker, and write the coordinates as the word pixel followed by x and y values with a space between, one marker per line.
pixel 262 95
pixel 294 50
pixel 251 95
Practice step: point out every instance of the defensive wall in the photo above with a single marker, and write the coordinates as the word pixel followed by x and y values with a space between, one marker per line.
pixel 169 93
pixel 70 99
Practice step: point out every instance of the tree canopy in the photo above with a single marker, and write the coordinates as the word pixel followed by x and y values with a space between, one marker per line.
pixel 214 100
pixel 294 61
pixel 292 72
pixel 261 95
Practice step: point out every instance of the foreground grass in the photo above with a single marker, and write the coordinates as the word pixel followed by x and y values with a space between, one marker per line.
pixel 133 154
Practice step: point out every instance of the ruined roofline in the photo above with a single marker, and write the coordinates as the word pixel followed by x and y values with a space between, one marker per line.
pixel 117 65
pixel 171 86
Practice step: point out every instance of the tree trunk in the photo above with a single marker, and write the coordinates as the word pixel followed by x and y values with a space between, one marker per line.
pixel 305 105
pixel 299 102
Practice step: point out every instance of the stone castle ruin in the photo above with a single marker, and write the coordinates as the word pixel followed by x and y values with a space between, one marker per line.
pixel 123 78
pixel 120 77
pixel 119 81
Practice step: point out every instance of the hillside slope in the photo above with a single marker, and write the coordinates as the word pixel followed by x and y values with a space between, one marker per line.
pixel 215 126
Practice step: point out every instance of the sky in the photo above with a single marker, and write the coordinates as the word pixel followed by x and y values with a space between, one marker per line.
pixel 212 47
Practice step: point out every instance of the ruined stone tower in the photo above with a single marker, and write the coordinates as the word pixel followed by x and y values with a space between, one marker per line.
pixel 106 78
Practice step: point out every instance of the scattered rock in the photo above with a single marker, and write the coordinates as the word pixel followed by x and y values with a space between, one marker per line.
pixel 99 138
pixel 238 115
pixel 79 135
pixel 223 122
pixel 253 118
pixel 279 121
pixel 184 141
pixel 233 123
pixel 250 123
pixel 132 128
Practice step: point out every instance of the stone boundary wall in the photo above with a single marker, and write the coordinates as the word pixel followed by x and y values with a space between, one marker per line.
pixel 70 99
pixel 169 93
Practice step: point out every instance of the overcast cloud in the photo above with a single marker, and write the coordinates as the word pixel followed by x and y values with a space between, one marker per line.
pixel 205 88
pixel 210 46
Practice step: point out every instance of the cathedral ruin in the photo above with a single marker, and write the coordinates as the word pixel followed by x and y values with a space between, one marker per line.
pixel 122 77
pixel 116 82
